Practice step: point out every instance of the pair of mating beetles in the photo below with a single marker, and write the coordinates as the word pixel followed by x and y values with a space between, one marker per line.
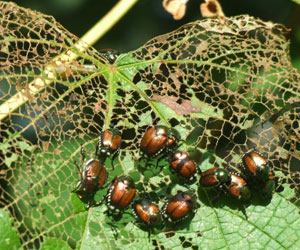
pixel 255 170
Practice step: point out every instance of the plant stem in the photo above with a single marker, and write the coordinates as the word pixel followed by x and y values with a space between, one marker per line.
pixel 108 21
pixel 94 34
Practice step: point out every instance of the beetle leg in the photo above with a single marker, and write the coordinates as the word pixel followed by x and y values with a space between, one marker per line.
pixel 113 158
pixel 158 160
pixel 199 169
pixel 146 162
pixel 243 209
pixel 114 229
pixel 186 185
pixel 82 151
pixel 90 204
pixel 115 217
pixel 107 184
pixel 149 233
pixel 97 204
pixel 213 195
pixel 77 188
pixel 76 164
pixel 119 216
pixel 131 214
pixel 97 147
pixel 79 170
pixel 164 221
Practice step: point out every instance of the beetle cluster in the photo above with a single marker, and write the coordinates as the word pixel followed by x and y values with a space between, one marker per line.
pixel 164 142
pixel 158 140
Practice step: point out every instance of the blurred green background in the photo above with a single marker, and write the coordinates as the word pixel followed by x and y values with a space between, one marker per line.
pixel 148 19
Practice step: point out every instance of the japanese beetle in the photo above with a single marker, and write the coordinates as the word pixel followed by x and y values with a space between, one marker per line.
pixel 179 207
pixel 92 178
pixel 256 166
pixel 109 144
pixel 110 55
pixel 158 139
pixel 238 188
pixel 148 213
pixel 214 177
pixel 120 193
pixel 268 187
pixel 182 164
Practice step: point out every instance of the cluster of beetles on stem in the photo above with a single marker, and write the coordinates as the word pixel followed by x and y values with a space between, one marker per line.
pixel 163 141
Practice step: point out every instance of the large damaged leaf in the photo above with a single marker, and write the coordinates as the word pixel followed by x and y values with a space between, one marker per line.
pixel 225 88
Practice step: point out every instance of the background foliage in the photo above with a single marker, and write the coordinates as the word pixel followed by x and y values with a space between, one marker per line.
pixel 226 89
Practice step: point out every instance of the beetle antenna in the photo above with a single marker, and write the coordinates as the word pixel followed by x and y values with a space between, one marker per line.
pixel 79 170
pixel 76 164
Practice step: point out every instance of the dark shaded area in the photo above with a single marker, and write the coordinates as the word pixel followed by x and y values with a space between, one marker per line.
pixel 148 19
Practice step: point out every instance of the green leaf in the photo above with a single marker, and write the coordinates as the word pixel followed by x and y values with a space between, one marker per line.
pixel 53 244
pixel 296 1
pixel 9 238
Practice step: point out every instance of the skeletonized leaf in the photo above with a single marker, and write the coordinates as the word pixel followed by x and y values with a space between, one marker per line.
pixel 225 88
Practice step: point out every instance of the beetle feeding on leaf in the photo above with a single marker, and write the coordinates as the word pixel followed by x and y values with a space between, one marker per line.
pixel 159 139
pixel 120 194
pixel 163 141
pixel 109 145
pixel 92 178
